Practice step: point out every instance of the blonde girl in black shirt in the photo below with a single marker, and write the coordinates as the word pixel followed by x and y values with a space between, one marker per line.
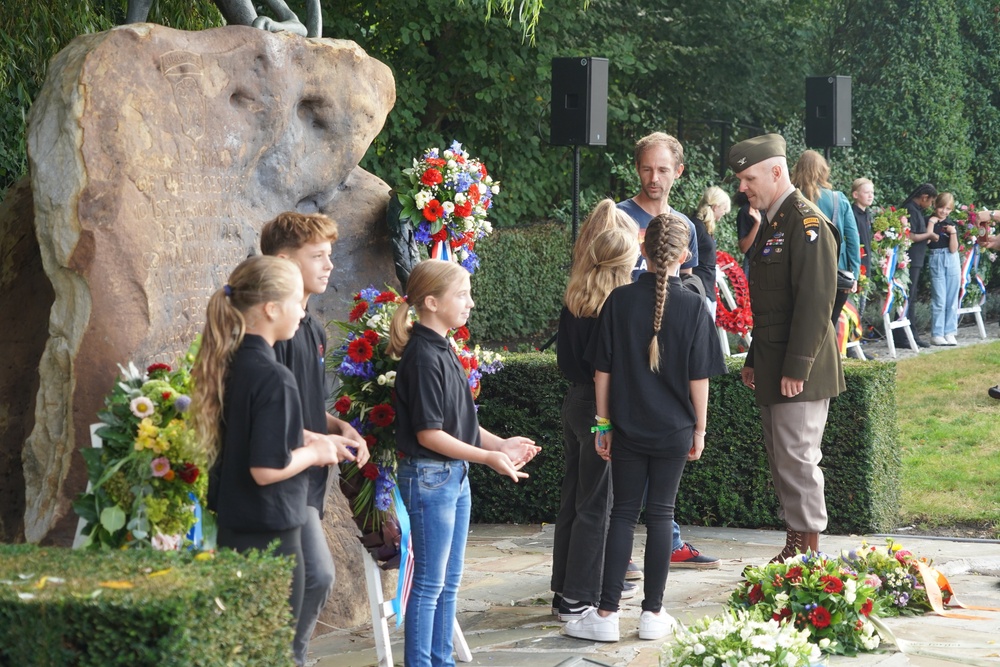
pixel 248 416
pixel 438 434
pixel 654 351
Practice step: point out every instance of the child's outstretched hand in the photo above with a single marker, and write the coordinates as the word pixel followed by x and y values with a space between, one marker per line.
pixel 503 465
pixel 519 450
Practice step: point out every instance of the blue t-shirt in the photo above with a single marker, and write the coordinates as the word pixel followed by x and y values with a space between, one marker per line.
pixel 642 219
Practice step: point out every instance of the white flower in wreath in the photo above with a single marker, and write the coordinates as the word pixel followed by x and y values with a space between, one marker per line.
pixel 449 207
pixel 142 407
pixel 422 199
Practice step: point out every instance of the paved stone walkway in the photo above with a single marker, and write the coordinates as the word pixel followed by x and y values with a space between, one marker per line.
pixel 504 601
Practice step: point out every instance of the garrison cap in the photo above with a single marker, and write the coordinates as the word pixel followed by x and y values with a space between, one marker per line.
pixel 750 152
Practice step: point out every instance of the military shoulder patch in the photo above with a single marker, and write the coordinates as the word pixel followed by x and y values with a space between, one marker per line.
pixel 810 222
pixel 811 235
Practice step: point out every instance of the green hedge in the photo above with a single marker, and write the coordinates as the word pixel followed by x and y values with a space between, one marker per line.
pixel 142 607
pixel 731 484
pixel 519 286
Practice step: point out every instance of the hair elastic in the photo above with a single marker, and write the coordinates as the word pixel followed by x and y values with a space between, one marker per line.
pixel 227 290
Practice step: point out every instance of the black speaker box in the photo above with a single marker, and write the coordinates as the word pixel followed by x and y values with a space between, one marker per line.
pixel 828 111
pixel 579 102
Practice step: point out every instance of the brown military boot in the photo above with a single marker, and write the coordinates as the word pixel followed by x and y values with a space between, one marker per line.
pixel 812 542
pixel 795 542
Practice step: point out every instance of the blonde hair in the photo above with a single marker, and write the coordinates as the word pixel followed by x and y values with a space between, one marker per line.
pixel 659 139
pixel 712 196
pixel 811 174
pixel 257 280
pixel 606 215
pixel 431 277
pixel 665 242
pixel 609 263
pixel 860 183
pixel 944 199
pixel 292 230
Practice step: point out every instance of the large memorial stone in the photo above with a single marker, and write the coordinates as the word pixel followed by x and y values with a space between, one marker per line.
pixel 156 155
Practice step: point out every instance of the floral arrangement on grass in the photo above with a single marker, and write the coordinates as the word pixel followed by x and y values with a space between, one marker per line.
pixel 739 637
pixel 894 573
pixel 973 225
pixel 820 595
pixel 366 396
pixel 890 241
pixel 447 201
pixel 145 479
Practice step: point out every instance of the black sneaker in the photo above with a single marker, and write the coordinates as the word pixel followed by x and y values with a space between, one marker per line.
pixel 556 601
pixel 575 611
pixel 633 572
pixel 994 392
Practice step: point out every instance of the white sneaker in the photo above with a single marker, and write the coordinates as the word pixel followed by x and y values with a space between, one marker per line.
pixel 595 627
pixel 939 340
pixel 950 338
pixel 629 590
pixel 656 626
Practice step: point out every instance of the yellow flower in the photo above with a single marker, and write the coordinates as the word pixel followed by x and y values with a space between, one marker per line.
pixel 147 435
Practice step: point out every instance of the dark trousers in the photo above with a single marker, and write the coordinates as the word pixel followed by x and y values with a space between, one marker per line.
pixel 911 310
pixel 578 549
pixel 631 474
pixel 289 544
pixel 838 306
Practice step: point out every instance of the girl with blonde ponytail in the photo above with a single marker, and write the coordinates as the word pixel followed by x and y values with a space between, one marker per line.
pixel 438 434
pixel 654 350
pixel 248 415
pixel 603 258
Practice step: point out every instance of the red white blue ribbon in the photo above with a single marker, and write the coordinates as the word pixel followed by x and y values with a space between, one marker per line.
pixel 893 284
pixel 442 250
pixel 405 559
pixel 970 266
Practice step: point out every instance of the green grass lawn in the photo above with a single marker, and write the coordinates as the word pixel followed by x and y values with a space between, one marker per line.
pixel 950 436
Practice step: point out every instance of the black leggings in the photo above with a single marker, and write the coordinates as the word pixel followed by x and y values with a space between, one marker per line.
pixel 289 544
pixel 631 474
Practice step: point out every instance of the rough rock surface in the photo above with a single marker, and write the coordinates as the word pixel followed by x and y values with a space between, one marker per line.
pixel 156 155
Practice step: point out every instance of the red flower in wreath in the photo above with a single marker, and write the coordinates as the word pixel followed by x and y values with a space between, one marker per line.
pixel 866 608
pixel 189 473
pixel 461 333
pixel 832 584
pixel 385 297
pixel 819 617
pixel 739 320
pixel 431 177
pixel 756 594
pixel 358 311
pixel 157 367
pixel 463 210
pixel 372 337
pixel 794 574
pixel 370 440
pixel 382 414
pixel 433 211
pixel 359 350
pixel 782 615
pixel 370 470
pixel 440 235
pixel 343 404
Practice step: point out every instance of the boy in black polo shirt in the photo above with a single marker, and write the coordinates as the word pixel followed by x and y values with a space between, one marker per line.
pixel 307 241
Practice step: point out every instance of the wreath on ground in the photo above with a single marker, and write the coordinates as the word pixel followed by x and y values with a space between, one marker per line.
pixel 739 320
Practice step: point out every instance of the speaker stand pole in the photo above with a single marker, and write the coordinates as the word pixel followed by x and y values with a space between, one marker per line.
pixel 827 150
pixel 576 191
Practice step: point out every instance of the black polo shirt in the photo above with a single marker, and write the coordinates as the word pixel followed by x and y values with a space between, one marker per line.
pixel 304 355
pixel 573 339
pixel 652 412
pixel 432 392
pixel 944 238
pixel 261 425
pixel 706 258
pixel 864 222
pixel 918 225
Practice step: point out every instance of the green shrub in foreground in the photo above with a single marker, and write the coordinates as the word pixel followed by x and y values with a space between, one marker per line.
pixel 731 484
pixel 142 607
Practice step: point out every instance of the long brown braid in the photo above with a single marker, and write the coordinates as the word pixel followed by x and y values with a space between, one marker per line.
pixel 665 242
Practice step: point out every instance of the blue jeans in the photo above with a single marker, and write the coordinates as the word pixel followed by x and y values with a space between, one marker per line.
pixel 438 499
pixel 945 272
pixel 677 544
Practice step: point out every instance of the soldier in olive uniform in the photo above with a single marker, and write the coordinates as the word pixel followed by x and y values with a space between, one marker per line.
pixel 793 364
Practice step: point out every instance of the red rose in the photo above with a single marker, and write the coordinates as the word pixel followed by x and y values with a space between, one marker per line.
pixel 436 162
pixel 756 595
pixel 819 617
pixel 189 473
pixel 461 333
pixel 473 193
pixel 157 367
pixel 463 210
pixel 833 584
pixel 782 615
pixel 433 211
pixel 385 297
pixel 166 395
pixel 866 608
pixel 440 235
pixel 358 311
pixel 382 414
pixel 370 441
pixel 372 337
pixel 370 470
pixel 359 350
pixel 431 177
pixel 343 404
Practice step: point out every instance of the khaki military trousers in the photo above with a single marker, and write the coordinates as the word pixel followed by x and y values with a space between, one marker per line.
pixel 792 436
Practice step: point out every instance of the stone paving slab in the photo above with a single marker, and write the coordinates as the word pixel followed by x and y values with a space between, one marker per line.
pixel 504 603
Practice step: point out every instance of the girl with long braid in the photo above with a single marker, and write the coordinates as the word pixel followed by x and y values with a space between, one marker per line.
pixel 653 353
